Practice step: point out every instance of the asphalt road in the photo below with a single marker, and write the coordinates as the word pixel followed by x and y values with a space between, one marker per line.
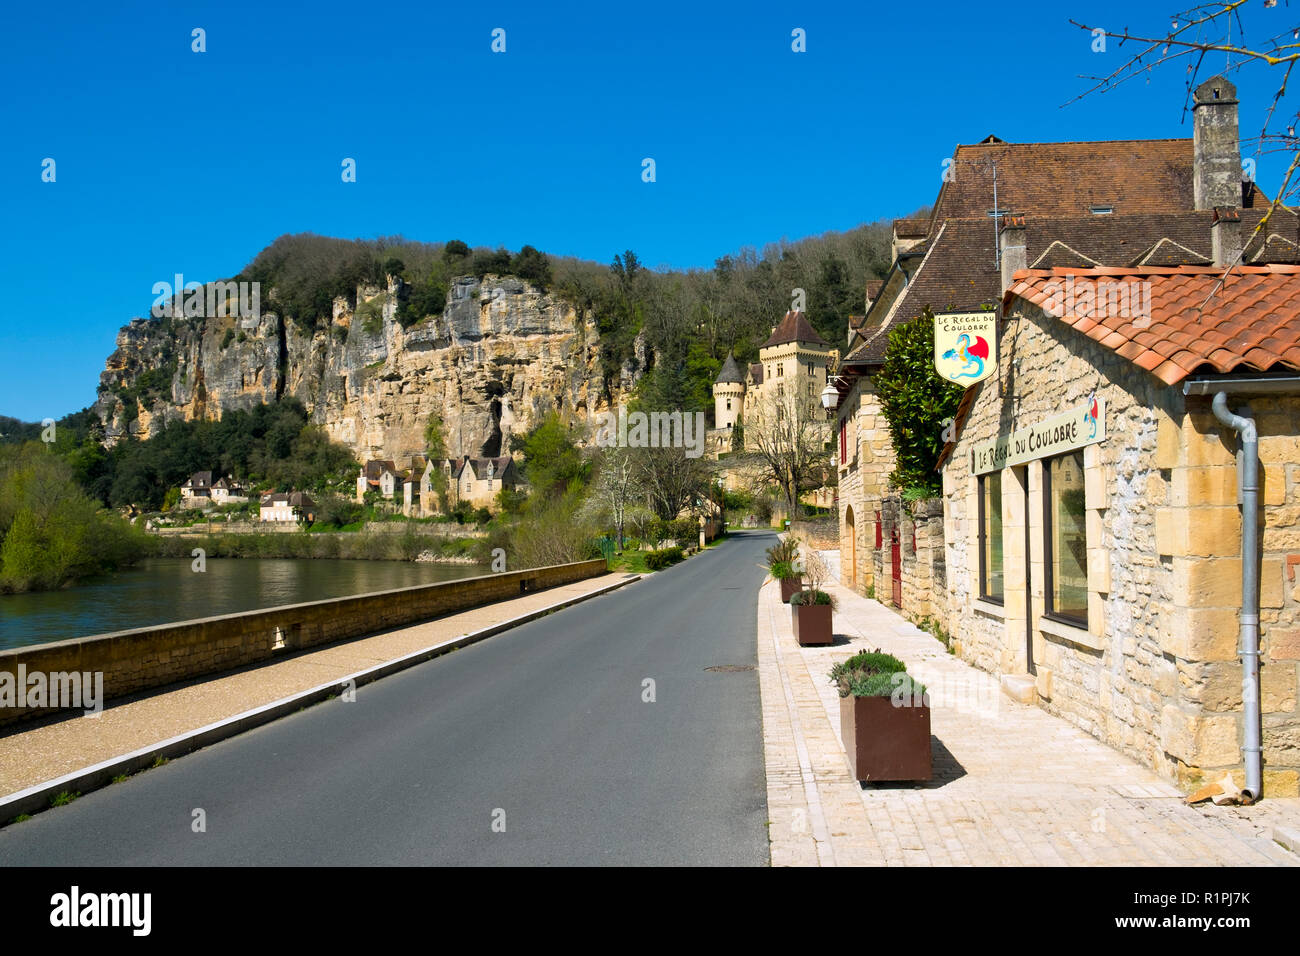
pixel 534 747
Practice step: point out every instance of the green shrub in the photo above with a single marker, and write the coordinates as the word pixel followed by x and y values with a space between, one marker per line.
pixel 657 560
pixel 227 339
pixel 782 571
pixel 875 674
pixel 783 552
pixel 813 597
pixel 915 402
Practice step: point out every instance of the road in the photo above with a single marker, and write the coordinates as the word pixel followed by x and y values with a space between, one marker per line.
pixel 534 747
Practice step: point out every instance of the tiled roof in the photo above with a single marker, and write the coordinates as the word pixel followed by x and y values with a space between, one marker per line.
pixel 1250 321
pixel 730 372
pixel 911 228
pixel 756 373
pixel 794 327
pixel 478 466
pixel 1068 179
pixel 873 288
pixel 959 275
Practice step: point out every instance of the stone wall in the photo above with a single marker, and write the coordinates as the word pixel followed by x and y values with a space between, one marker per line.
pixel 1155 673
pixel 822 533
pixel 863 480
pixel 150 657
pixel 922 574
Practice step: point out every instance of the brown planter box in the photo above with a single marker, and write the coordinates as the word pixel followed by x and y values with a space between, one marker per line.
pixel 812 624
pixel 885 742
pixel 789 586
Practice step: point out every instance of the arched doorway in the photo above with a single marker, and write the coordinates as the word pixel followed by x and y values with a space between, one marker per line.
pixel 853 547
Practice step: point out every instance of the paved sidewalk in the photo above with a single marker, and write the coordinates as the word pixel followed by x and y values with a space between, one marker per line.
pixel 33 754
pixel 1013 785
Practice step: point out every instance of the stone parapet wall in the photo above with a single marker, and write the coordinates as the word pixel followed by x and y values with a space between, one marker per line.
pixel 149 657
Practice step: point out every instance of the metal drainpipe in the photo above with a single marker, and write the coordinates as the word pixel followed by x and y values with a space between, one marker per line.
pixel 1249 648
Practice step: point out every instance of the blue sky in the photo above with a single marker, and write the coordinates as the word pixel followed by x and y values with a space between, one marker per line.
pixel 174 161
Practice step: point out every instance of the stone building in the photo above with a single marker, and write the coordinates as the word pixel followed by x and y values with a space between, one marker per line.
pixel 1094 507
pixel 228 491
pixel 792 368
pixel 287 506
pixel 478 481
pixel 197 488
pixel 1091 204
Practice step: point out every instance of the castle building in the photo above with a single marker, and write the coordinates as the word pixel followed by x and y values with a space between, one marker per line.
pixel 788 378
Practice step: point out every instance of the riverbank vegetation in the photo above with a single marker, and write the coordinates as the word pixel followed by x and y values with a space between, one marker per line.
pixel 52 532
pixel 411 544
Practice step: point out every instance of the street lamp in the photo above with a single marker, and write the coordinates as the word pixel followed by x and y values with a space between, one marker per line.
pixel 830 397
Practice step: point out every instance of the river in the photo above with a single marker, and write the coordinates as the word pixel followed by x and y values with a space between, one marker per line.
pixel 163 590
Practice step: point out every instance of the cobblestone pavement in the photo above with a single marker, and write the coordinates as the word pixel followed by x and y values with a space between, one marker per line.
pixel 1012 784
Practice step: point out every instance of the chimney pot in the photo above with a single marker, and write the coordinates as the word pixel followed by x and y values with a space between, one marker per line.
pixel 1216 150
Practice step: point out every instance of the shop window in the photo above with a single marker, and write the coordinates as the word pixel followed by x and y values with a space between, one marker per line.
pixel 990 534
pixel 1066 544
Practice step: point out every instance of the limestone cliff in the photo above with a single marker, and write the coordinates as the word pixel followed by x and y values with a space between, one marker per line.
pixel 501 355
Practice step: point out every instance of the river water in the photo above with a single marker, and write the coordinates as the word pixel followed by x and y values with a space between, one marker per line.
pixel 163 590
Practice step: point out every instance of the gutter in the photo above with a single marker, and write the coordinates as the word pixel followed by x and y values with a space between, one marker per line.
pixel 1244 425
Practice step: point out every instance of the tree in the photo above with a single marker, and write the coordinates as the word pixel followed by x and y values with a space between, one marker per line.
pixel 789 433
pixel 671 479
pixel 435 447
pixel 552 460
pixel 533 266
pixel 915 402
pixel 617 486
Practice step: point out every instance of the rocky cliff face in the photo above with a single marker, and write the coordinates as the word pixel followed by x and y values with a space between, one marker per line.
pixel 502 354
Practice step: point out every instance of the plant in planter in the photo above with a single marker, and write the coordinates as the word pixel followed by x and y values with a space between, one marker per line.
pixel 884 718
pixel 811 610
pixel 781 565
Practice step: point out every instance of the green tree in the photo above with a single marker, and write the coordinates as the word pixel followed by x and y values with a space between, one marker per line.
pixel 553 463
pixel 915 402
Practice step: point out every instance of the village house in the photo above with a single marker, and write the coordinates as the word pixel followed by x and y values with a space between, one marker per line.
pixel 227 491
pixel 287 506
pixel 197 489
pixel 1085 204
pixel 1122 514
pixel 478 481
pixel 1119 520
pixel 473 481
pixel 379 475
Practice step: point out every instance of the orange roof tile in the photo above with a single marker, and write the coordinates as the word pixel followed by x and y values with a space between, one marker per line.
pixel 1198 319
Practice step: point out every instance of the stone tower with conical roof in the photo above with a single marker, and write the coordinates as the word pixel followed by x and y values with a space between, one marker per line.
pixel 728 394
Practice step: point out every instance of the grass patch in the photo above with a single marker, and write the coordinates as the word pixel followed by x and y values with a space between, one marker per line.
pixel 159 762
pixel 632 562
pixel 935 629
pixel 21 818
pixel 120 778
pixel 63 798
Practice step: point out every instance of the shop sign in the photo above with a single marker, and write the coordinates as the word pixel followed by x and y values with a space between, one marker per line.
pixel 1084 425
pixel 965 346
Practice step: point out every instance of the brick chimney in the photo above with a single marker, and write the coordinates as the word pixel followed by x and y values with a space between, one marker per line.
pixel 1225 235
pixel 1216 149
pixel 1011 248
